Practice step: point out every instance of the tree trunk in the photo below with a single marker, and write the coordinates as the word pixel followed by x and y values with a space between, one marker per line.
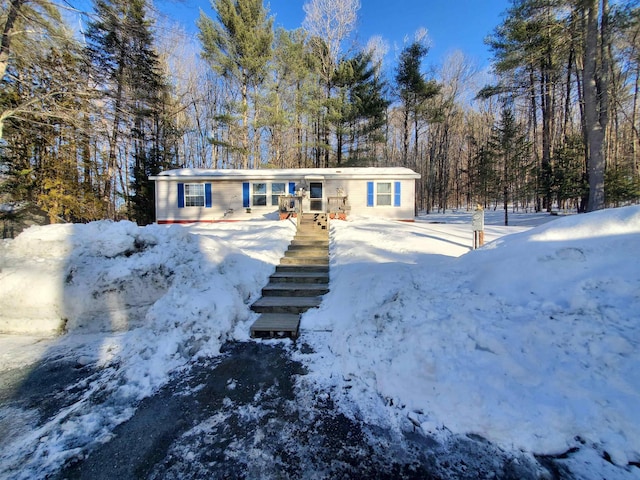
pixel 245 125
pixel 547 126
pixel 415 137
pixel 405 136
pixel 634 116
pixel 7 33
pixel 595 101
pixel 5 45
pixel 109 187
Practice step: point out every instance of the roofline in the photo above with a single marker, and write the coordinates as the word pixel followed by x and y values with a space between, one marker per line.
pixel 327 173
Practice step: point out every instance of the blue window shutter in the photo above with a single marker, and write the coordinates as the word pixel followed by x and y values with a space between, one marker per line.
pixel 207 195
pixel 396 195
pixel 181 195
pixel 292 188
pixel 245 195
pixel 369 194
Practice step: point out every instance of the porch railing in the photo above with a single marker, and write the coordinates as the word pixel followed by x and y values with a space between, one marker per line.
pixel 339 206
pixel 289 206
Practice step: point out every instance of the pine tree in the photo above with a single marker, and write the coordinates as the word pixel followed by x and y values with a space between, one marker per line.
pixel 509 144
pixel 43 100
pixel 358 112
pixel 120 47
pixel 527 48
pixel 413 90
pixel 329 23
pixel 239 45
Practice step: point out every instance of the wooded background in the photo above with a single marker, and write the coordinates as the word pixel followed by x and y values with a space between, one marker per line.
pixel 87 114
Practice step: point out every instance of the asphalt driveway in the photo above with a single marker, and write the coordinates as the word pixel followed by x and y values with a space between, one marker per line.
pixel 243 415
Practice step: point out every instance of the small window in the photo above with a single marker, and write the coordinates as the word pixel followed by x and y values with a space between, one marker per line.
pixel 383 194
pixel 259 194
pixel 277 189
pixel 194 194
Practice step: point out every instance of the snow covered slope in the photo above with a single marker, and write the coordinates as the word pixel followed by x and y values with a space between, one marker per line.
pixel 531 342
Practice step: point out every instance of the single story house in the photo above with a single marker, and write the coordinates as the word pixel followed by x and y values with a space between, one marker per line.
pixel 203 195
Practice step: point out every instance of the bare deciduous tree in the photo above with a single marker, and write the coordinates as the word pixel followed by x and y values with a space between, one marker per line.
pixel 332 21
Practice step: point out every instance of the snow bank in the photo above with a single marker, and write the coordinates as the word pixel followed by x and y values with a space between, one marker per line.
pixel 531 342
pixel 31 275
pixel 147 301
pixel 105 276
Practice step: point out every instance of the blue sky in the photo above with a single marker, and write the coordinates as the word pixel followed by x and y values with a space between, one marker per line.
pixel 453 24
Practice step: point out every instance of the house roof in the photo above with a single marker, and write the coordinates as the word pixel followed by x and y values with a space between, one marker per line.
pixel 287 173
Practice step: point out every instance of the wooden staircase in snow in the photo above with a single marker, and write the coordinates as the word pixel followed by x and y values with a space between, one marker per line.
pixel 299 282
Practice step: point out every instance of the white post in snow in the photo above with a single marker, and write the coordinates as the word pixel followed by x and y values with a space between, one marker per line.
pixel 478 227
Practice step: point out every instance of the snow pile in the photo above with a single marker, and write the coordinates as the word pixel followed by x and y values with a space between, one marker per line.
pixel 531 342
pixel 150 299
pixel 107 276
pixel 31 298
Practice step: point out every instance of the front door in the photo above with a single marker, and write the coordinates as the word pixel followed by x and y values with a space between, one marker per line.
pixel 315 196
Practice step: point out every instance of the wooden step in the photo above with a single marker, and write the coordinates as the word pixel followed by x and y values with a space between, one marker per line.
pixel 300 277
pixel 312 230
pixel 291 289
pixel 276 324
pixel 312 226
pixel 309 239
pixel 307 252
pixel 309 225
pixel 313 217
pixel 302 268
pixel 309 242
pixel 321 260
pixel 285 304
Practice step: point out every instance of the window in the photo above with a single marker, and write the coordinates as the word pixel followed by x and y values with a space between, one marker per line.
pixel 259 194
pixel 277 189
pixel 194 194
pixel 383 194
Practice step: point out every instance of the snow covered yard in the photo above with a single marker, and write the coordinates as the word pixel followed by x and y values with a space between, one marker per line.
pixel 530 342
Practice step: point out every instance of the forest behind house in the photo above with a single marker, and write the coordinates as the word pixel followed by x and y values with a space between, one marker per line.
pixel 88 113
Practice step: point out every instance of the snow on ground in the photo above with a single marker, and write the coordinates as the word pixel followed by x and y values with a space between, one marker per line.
pixel 138 303
pixel 530 342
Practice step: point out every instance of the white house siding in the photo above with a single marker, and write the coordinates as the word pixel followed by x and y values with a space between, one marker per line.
pixel 227 193
pixel 357 193
pixel 226 199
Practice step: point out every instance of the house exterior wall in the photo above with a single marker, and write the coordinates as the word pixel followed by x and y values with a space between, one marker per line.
pixel 356 190
pixel 227 199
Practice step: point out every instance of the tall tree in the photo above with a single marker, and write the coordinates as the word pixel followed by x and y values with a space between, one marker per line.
pixel 359 109
pixel 28 26
pixel 120 47
pixel 239 47
pixel 291 89
pixel 527 48
pixel 414 90
pixel 596 96
pixel 43 102
pixel 329 23
pixel 509 143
